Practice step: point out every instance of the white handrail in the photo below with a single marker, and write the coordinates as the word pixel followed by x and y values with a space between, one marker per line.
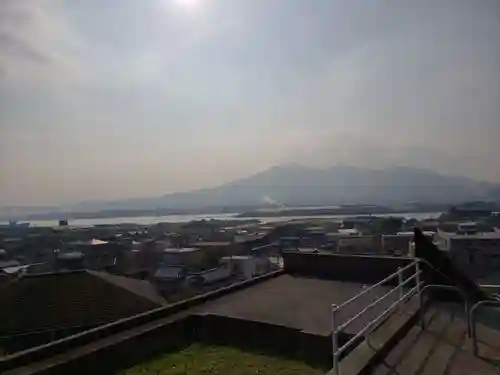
pixel 388 278
pixel 372 324
pixel 376 302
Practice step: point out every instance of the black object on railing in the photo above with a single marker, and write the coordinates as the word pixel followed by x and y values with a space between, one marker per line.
pixel 447 273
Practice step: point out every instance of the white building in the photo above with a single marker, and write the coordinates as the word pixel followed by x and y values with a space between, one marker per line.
pixel 478 252
pixel 402 243
pixel 246 265
pixel 186 256
pixel 357 245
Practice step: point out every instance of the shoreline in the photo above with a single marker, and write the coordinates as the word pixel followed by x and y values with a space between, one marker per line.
pixel 324 212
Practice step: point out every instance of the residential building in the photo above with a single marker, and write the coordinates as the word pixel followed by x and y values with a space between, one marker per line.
pixel 401 244
pixel 358 245
pixel 186 257
pixel 98 254
pixel 170 279
pixel 247 266
pixel 477 253
pixel 210 276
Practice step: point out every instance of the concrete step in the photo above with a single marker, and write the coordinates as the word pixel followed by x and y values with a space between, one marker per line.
pixel 403 353
pixel 464 363
pixel 427 352
pixel 417 356
pixel 439 360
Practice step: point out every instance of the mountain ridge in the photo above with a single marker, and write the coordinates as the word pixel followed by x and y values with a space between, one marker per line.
pixel 295 184
pixel 298 185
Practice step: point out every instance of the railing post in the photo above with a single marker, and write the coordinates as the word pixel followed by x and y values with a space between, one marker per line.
pixel 335 342
pixel 419 293
pixel 472 329
pixel 467 322
pixel 400 283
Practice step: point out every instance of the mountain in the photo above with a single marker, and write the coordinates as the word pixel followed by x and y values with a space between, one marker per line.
pixel 292 185
pixel 494 194
pixel 295 185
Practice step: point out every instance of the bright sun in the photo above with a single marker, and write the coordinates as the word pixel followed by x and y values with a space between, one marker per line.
pixel 189 4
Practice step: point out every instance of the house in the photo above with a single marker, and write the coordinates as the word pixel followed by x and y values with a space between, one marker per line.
pixel 186 257
pixel 401 244
pixel 210 276
pixel 98 254
pixel 170 279
pixel 358 245
pixel 247 266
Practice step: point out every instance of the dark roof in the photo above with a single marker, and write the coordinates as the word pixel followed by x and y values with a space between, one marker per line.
pixel 296 302
pixel 139 287
pixel 170 272
pixel 47 301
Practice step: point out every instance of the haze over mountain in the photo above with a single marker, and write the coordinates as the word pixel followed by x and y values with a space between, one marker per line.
pixel 298 185
pixel 292 185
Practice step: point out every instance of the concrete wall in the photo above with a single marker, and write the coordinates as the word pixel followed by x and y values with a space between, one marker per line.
pixel 267 338
pixel 208 329
pixel 356 268
pixel 128 352
pixel 13 344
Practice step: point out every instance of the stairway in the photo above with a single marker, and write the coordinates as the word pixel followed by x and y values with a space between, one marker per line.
pixel 442 348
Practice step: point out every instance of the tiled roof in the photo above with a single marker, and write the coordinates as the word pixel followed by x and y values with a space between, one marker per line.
pixel 49 301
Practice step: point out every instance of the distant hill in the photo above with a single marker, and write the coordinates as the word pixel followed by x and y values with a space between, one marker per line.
pixel 292 185
pixel 494 194
pixel 295 185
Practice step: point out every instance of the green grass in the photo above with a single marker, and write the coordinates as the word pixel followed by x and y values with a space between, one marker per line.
pixel 212 360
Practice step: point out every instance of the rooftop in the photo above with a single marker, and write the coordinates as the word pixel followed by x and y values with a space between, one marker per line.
pixel 212 244
pixel 292 301
pixel 71 299
pixel 92 242
pixel 71 255
pixel 348 232
pixel 477 236
pixel 426 233
pixel 238 257
pixel 169 272
pixel 180 250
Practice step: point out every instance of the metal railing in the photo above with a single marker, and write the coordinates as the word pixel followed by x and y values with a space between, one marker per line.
pixel 375 322
pixel 444 287
pixel 472 320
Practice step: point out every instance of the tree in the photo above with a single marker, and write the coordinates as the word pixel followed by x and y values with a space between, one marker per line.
pixel 390 225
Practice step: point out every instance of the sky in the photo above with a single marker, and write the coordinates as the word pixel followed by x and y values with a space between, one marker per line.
pixel 110 99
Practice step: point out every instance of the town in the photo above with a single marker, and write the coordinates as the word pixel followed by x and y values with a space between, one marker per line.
pixel 78 278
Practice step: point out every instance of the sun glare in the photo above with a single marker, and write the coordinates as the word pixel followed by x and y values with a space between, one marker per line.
pixel 189 4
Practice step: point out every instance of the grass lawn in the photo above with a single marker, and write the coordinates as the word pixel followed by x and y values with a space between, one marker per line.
pixel 212 360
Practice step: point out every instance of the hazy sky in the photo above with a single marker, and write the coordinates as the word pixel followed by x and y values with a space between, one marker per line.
pixel 125 98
